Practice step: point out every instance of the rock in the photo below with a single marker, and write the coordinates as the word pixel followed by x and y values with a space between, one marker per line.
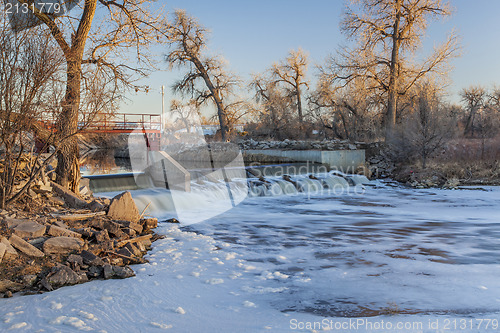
pixel 96 206
pixel 135 226
pixel 45 284
pixel 122 272
pixel 8 294
pixel 29 230
pixel 62 245
pixel 173 220
pixel 105 201
pixel 102 236
pixel 105 246
pixel 64 276
pixel 150 223
pixel 74 260
pixel 37 242
pixel 7 285
pixel 126 252
pixel 12 222
pixel 70 198
pixel 141 246
pixel 130 232
pixel 110 226
pixel 10 252
pixel 3 248
pixel 60 224
pixel 123 208
pixel 133 249
pixel 56 201
pixel 25 247
pixel 58 231
pixel 107 271
pixel 29 280
pixel 452 183
pixel 95 272
pixel 91 259
pixel 86 232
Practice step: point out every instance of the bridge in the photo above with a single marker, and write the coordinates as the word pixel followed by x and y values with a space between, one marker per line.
pixel 150 126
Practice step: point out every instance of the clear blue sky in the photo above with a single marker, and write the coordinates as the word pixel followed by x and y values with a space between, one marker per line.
pixel 252 35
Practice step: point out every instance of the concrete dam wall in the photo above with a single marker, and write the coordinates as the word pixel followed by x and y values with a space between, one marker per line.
pixel 343 160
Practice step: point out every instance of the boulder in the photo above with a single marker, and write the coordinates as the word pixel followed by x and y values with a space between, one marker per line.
pixel 122 272
pixel 75 260
pixel 56 201
pixel 64 276
pixel 70 198
pixel 150 223
pixel 133 249
pixel 7 285
pixel 110 226
pixel 29 280
pixel 91 259
pixel 102 236
pixel 58 231
pixel 3 248
pixel 135 226
pixel 10 252
pixel 123 208
pixel 95 271
pixel 96 206
pixel 62 244
pixel 107 271
pixel 25 247
pixel 12 222
pixel 29 230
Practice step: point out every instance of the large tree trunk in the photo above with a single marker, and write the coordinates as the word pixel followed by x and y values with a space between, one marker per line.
pixel 68 167
pixel 221 112
pixel 393 77
pixel 299 104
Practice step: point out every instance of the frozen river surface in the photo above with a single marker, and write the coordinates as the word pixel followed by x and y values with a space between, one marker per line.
pixel 287 263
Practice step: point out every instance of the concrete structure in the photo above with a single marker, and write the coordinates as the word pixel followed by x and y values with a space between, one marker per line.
pixel 344 160
pixel 167 172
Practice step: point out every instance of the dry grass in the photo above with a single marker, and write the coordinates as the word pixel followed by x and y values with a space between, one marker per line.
pixel 472 161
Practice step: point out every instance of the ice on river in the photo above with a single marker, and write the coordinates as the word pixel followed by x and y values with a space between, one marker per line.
pixel 298 262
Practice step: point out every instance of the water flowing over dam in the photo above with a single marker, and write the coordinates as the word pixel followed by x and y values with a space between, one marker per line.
pixel 208 198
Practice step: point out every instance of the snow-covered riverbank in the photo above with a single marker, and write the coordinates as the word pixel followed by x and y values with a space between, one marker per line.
pixel 416 260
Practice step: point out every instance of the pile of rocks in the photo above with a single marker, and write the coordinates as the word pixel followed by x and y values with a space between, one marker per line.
pixel 302 145
pixel 74 241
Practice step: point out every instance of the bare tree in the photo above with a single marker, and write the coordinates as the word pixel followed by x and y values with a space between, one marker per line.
pixel 185 113
pixel 474 99
pixel 274 107
pixel 427 128
pixel 291 74
pixel 388 33
pixel 28 68
pixel 207 78
pixel 124 24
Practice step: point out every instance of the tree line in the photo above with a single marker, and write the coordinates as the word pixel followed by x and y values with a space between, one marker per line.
pixel 79 67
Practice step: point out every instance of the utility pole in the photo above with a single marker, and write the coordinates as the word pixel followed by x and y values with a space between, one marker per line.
pixel 162 108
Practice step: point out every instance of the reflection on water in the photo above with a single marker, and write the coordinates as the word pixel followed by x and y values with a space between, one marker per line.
pixel 390 250
pixel 103 162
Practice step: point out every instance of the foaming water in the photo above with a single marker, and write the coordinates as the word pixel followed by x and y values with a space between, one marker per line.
pixel 208 198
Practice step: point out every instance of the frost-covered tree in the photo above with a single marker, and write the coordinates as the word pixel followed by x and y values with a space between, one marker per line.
pixel 207 78
pixel 388 34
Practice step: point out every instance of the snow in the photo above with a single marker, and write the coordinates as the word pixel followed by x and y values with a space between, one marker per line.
pixel 351 262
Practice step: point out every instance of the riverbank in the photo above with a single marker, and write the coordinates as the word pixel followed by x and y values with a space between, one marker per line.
pixel 56 238
pixel 444 171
